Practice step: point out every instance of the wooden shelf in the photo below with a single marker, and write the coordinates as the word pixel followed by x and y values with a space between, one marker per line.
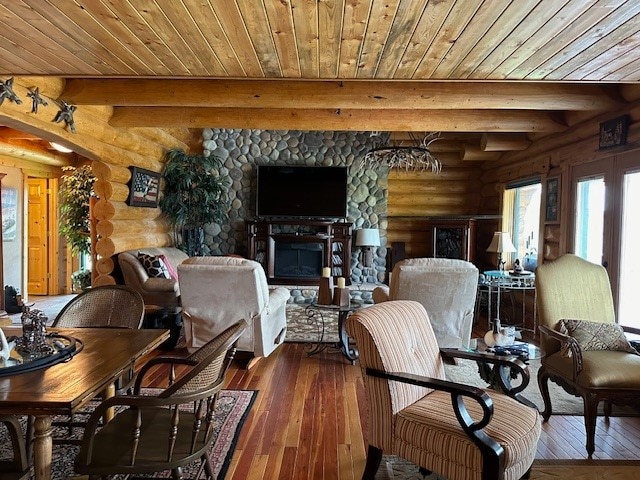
pixel 335 238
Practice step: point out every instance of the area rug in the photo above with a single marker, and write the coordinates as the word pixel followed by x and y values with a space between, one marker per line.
pixel 232 410
pixel 304 328
pixel 466 371
pixel 394 468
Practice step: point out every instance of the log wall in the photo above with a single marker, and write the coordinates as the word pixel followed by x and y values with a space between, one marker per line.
pixel 111 150
pixel 413 196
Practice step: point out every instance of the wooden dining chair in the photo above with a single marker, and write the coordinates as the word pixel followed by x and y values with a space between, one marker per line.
pixel 106 306
pixel 103 306
pixel 166 430
pixel 17 467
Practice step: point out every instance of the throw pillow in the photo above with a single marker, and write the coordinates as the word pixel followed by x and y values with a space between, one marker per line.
pixel 597 335
pixel 172 271
pixel 153 265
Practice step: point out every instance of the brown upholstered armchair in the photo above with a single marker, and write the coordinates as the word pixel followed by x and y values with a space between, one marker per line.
pixel 454 430
pixel 571 288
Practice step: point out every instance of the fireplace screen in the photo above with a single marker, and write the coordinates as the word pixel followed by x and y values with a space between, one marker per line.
pixel 298 260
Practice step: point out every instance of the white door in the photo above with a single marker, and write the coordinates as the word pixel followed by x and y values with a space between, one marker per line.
pixel 605 224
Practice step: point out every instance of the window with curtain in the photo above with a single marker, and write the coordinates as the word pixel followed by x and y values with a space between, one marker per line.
pixel 521 218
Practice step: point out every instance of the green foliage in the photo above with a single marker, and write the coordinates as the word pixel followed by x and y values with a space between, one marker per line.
pixel 194 193
pixel 81 279
pixel 76 188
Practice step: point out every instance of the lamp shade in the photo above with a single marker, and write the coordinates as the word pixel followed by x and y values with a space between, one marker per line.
pixel 501 243
pixel 368 237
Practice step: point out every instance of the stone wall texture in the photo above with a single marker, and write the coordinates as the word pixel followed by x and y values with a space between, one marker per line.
pixel 240 152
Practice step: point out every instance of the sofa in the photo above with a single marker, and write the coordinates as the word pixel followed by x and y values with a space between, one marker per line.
pixel 163 292
pixel 216 292
pixel 446 288
pixel 158 291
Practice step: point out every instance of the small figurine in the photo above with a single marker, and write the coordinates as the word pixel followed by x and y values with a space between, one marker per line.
pixel 6 346
pixel 517 268
pixel 36 99
pixel 34 329
pixel 6 91
pixel 66 115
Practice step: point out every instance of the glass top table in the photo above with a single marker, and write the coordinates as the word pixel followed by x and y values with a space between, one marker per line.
pixel 315 315
pixel 502 281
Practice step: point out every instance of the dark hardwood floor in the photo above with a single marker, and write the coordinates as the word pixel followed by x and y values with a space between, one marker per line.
pixel 309 420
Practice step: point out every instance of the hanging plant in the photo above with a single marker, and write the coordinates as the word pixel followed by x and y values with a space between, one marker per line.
pixel 194 194
pixel 76 188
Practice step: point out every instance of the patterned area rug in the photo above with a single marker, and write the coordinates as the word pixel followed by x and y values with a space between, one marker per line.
pixel 232 410
pixel 563 403
pixel 394 468
pixel 309 329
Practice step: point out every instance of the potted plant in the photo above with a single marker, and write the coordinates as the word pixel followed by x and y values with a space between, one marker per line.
pixel 194 194
pixel 76 188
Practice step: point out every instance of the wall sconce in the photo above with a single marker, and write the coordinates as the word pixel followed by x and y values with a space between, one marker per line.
pixel 367 238
pixel 501 243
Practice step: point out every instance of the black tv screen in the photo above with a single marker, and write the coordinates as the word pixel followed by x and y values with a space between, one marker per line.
pixel 296 191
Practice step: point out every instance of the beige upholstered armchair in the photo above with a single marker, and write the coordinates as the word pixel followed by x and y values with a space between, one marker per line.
pixel 585 351
pixel 456 431
pixel 218 291
pixel 447 288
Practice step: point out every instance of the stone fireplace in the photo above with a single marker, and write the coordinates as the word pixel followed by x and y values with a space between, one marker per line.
pixel 241 149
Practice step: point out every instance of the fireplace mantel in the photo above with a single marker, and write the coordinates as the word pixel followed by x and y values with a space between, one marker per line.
pixel 334 237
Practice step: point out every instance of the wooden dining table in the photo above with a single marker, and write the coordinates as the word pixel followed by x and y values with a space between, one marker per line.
pixel 66 387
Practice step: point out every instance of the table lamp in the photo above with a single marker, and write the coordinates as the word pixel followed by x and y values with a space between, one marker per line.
pixel 501 243
pixel 367 238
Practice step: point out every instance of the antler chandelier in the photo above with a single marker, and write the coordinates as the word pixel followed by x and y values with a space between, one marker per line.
pixel 414 157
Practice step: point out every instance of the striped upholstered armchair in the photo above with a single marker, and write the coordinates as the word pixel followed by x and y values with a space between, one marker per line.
pixel 456 431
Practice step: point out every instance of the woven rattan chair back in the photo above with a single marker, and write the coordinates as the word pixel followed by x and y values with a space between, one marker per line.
pixel 104 306
pixel 164 431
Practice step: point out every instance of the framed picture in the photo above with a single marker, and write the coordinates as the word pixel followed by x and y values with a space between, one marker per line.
pixel 552 205
pixel 614 132
pixel 143 188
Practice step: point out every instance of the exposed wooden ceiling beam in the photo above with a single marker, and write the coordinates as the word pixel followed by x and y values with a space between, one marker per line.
pixel 320 94
pixel 502 142
pixel 338 119
pixel 475 153
pixel 8 133
pixel 27 152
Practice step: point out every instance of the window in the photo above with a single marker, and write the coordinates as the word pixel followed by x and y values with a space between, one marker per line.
pixel 589 219
pixel 521 218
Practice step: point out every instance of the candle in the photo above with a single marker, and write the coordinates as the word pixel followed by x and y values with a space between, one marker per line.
pixel 326 272
pixel 341 282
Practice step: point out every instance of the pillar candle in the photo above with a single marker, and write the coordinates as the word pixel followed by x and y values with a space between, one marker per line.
pixel 341 282
pixel 326 272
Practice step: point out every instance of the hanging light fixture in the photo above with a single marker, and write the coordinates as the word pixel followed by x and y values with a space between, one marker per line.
pixel 414 157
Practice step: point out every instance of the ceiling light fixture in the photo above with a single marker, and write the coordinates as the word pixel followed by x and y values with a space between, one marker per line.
pixel 60 148
pixel 414 157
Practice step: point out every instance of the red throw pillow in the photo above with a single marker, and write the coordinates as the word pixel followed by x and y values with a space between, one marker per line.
pixel 172 271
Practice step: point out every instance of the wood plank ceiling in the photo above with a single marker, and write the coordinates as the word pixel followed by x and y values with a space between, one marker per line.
pixel 473 68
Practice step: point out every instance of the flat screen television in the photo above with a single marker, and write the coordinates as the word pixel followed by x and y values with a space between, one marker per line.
pixel 297 191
